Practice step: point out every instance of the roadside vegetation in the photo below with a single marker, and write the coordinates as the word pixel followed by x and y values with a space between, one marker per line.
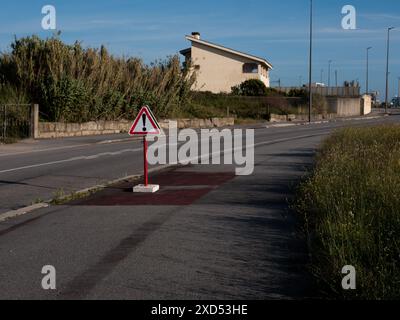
pixel 76 84
pixel 350 211
pixel 207 104
pixel 253 100
pixel 11 95
pixel 72 83
pixel 253 88
pixel 13 107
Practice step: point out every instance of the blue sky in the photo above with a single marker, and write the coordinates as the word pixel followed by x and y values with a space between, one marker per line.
pixel 276 30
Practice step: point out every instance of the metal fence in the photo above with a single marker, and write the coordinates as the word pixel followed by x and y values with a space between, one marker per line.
pixel 15 122
pixel 327 91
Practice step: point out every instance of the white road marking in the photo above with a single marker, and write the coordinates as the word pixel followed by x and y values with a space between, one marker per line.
pixel 43 150
pixel 95 156
pixel 123 140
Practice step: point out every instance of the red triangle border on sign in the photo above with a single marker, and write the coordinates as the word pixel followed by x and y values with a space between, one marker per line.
pixel 151 119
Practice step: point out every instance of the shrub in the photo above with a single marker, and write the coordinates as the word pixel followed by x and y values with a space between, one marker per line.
pixel 252 87
pixel 301 92
pixel 320 105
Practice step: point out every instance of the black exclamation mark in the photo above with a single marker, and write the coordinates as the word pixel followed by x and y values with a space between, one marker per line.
pixel 144 122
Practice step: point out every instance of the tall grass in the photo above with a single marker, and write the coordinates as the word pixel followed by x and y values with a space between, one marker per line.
pixel 351 211
pixel 12 95
pixel 72 83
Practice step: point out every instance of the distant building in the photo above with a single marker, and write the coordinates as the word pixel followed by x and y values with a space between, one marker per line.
pixel 318 84
pixel 218 68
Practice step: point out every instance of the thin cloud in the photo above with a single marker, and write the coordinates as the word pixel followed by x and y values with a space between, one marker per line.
pixel 380 16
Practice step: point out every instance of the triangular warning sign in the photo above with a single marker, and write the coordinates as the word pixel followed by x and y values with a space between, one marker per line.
pixel 145 123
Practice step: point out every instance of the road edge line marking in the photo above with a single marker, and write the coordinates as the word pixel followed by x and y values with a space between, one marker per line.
pixel 110 141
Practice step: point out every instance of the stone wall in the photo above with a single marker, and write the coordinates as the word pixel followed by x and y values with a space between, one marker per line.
pixel 199 123
pixel 60 129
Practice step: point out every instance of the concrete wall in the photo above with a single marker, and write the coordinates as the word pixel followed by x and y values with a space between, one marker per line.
pixel 366 104
pixel 344 106
pixel 59 129
pixel 219 71
pixel 337 107
pixel 34 121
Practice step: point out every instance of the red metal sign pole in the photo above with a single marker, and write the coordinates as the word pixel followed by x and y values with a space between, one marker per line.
pixel 145 124
pixel 146 179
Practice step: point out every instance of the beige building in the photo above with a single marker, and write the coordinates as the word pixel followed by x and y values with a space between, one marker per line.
pixel 218 68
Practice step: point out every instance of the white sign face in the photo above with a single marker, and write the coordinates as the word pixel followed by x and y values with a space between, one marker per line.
pixel 145 123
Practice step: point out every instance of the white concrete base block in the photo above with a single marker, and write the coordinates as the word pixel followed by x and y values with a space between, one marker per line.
pixel 151 188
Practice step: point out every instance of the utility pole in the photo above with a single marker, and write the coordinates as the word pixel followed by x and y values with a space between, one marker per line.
pixel 322 76
pixel 398 88
pixel 329 73
pixel 387 68
pixel 367 78
pixel 310 63
pixel 336 83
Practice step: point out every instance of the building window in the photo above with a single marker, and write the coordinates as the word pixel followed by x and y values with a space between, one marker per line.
pixel 196 67
pixel 250 68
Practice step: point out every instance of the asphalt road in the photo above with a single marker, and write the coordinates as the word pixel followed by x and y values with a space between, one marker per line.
pixel 207 234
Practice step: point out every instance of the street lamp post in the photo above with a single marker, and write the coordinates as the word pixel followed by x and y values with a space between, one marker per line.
pixel 310 63
pixel 329 73
pixel 336 83
pixel 387 68
pixel 398 87
pixel 366 81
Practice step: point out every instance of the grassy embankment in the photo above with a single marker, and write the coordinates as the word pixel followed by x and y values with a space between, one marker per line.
pixel 351 212
pixel 207 105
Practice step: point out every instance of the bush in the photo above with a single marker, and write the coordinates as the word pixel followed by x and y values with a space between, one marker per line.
pixel 350 210
pixel 320 105
pixel 252 87
pixel 303 93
